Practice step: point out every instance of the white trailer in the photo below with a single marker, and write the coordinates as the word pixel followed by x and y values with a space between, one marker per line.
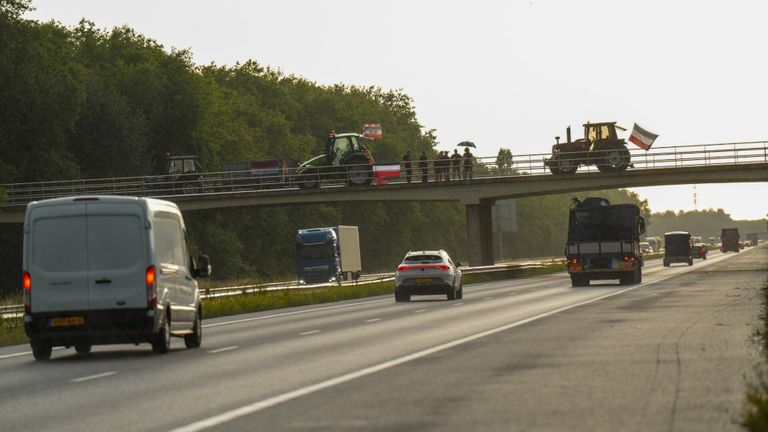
pixel 349 251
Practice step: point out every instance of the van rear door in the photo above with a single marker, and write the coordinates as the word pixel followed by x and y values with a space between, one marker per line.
pixel 57 258
pixel 117 255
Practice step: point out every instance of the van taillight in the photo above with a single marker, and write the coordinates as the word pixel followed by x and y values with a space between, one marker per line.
pixel 151 287
pixel 27 282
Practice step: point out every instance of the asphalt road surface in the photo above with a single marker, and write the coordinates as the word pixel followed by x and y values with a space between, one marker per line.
pixel 670 354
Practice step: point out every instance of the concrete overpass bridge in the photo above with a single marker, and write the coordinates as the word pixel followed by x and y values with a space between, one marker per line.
pixel 523 176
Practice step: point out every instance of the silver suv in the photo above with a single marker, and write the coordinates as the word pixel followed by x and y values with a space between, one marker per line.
pixel 428 272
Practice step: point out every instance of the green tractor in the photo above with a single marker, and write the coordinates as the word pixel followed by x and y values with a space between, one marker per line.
pixel 345 158
pixel 600 146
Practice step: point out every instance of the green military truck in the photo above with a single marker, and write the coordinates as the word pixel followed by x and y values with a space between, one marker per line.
pixel 604 242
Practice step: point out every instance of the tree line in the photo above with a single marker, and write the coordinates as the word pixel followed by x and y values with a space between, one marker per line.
pixel 85 102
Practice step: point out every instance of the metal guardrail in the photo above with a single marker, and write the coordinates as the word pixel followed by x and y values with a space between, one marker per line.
pixel 695 155
pixel 15 311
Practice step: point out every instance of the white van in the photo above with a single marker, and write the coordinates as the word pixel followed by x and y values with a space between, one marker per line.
pixel 108 269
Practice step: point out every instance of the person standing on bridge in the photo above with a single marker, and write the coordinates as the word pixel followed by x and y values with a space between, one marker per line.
pixel 456 164
pixel 424 167
pixel 408 165
pixel 468 159
pixel 445 166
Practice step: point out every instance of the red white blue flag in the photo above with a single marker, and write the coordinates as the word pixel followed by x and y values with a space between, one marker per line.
pixel 385 170
pixel 372 131
pixel 642 138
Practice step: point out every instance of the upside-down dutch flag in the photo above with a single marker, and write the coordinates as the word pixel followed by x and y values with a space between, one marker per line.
pixel 642 138
pixel 385 170
pixel 372 131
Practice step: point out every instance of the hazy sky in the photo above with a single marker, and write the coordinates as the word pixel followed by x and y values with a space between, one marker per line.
pixel 507 73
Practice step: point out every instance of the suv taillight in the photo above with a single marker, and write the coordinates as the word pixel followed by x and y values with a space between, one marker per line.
pixel 404 267
pixel 27 283
pixel 151 280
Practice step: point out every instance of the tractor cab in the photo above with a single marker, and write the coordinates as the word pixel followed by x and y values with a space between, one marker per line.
pixel 597 133
pixel 179 165
pixel 339 148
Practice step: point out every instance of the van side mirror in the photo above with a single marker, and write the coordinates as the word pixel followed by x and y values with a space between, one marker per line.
pixel 640 225
pixel 203 267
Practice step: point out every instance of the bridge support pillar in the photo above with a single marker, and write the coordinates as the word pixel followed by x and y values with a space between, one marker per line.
pixel 480 233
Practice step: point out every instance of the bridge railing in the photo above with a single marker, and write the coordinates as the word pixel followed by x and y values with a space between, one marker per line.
pixel 226 182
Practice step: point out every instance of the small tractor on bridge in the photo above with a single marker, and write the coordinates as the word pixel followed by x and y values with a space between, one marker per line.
pixel 600 146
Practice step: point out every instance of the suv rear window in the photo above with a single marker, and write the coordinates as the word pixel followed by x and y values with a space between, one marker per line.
pixel 423 259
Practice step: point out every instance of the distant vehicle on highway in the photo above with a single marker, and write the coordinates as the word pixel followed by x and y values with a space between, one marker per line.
pixel 677 248
pixel 645 247
pixel 329 254
pixel 730 241
pixel 108 269
pixel 428 272
pixel 699 250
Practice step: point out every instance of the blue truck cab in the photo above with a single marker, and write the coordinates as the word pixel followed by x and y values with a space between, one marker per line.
pixel 326 255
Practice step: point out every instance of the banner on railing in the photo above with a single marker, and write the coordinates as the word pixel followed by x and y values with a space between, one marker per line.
pixel 385 170
pixel 372 130
pixel 642 138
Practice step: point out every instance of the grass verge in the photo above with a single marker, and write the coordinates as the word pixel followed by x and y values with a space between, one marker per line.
pixel 754 416
pixel 12 332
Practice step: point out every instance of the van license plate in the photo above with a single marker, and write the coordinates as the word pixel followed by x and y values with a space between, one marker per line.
pixel 66 321
pixel 423 280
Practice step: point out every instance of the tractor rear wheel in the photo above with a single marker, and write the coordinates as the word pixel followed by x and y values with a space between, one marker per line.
pixel 359 174
pixel 308 180
pixel 616 159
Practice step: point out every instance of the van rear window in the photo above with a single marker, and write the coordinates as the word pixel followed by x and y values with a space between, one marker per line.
pixel 58 244
pixel 115 242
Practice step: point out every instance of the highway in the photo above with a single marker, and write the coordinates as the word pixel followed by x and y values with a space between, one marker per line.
pixel 669 354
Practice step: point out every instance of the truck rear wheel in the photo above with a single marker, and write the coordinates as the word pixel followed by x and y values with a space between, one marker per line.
pixel 83 347
pixel 579 281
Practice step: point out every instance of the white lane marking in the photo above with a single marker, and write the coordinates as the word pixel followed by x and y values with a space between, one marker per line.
pixel 307 333
pixel 373 320
pixel 15 355
pixel 420 311
pixel 24 353
pixel 293 313
pixel 229 348
pixel 488 298
pixel 257 406
pixel 458 304
pixel 93 377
